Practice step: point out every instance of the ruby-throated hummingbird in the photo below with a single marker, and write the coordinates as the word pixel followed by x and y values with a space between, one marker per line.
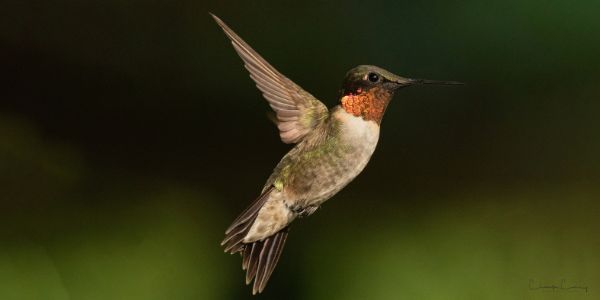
pixel 332 148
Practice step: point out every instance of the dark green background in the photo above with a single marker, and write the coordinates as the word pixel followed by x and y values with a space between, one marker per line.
pixel 131 135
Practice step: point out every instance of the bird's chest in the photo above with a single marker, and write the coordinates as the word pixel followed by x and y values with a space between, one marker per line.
pixel 351 149
pixel 358 135
pixel 358 139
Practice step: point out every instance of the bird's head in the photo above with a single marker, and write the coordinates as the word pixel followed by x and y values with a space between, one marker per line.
pixel 367 90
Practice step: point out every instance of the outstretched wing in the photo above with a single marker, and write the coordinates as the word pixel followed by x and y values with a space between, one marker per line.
pixel 297 111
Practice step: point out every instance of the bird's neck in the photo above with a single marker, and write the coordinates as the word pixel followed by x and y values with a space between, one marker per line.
pixel 369 104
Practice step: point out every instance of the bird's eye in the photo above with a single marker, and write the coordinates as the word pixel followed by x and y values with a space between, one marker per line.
pixel 373 77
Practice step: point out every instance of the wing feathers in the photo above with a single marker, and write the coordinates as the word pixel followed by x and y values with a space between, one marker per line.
pixel 250 212
pixel 290 102
pixel 258 258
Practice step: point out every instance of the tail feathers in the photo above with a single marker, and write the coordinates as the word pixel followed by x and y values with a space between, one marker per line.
pixel 258 258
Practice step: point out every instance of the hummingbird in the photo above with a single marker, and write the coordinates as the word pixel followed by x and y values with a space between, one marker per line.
pixel 332 146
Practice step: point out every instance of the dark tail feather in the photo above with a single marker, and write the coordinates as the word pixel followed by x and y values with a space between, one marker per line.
pixel 261 257
pixel 258 258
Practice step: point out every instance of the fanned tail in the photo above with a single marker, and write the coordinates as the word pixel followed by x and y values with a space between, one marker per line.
pixel 258 258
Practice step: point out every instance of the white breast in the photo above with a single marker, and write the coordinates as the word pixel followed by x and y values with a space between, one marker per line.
pixel 357 131
pixel 361 138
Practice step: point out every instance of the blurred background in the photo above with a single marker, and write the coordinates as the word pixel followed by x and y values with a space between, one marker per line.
pixel 131 136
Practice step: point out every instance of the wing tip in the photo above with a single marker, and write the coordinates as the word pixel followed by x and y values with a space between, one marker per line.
pixel 217 19
pixel 285 97
pixel 230 33
pixel 234 235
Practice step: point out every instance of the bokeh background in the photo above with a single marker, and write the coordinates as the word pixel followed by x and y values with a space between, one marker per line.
pixel 131 136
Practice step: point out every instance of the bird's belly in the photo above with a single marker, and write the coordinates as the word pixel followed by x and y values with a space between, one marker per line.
pixel 332 172
pixel 335 176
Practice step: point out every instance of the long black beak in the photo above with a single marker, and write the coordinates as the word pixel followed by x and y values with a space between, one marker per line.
pixel 400 82
pixel 438 82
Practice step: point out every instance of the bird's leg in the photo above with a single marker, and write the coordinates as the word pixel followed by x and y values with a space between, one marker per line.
pixel 305 211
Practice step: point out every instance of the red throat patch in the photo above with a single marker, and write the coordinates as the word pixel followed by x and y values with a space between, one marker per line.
pixel 368 104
